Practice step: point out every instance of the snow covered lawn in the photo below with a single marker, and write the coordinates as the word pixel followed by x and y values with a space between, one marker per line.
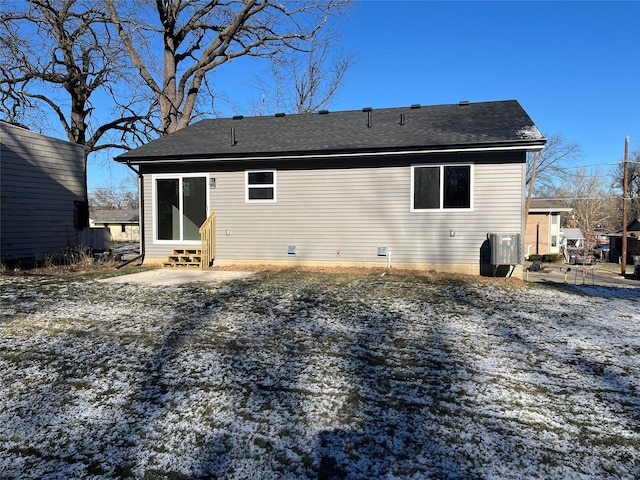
pixel 318 375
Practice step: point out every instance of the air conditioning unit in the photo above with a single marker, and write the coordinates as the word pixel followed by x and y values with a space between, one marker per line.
pixel 506 248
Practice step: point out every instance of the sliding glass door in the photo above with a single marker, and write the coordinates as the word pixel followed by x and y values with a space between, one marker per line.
pixel 180 206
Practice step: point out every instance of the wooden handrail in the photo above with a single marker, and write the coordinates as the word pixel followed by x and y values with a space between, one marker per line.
pixel 208 241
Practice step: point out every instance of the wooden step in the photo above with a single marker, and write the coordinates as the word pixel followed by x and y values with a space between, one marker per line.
pixel 184 258
pixel 187 251
pixel 180 265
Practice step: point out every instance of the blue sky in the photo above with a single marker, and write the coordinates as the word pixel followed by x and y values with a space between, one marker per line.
pixel 574 66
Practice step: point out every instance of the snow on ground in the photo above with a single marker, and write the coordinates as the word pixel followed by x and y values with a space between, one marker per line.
pixel 287 375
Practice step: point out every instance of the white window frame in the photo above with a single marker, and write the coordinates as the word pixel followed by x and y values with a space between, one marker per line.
pixel 441 207
pixel 174 176
pixel 273 185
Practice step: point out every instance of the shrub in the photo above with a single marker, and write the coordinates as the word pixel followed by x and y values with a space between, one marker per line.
pixel 546 258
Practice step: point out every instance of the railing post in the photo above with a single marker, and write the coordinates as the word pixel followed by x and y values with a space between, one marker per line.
pixel 208 241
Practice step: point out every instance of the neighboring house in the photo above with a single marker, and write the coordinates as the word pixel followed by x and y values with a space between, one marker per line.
pixel 573 236
pixel 123 225
pixel 543 226
pixel 572 242
pixel 43 194
pixel 633 244
pixel 415 187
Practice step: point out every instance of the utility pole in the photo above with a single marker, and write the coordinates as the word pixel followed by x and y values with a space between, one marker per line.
pixel 531 182
pixel 623 260
pixel 528 202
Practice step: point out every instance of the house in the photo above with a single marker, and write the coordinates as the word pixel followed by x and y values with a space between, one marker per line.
pixel 633 244
pixel 573 237
pixel 416 187
pixel 543 226
pixel 123 225
pixel 43 195
pixel 573 245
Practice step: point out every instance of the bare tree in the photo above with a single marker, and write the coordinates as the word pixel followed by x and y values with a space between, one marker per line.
pixel 595 206
pixel 305 81
pixel 56 56
pixel 553 162
pixel 547 167
pixel 201 35
pixel 633 184
pixel 121 197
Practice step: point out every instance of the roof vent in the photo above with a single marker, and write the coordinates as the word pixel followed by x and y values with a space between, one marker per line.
pixel 233 137
pixel 323 112
pixel 279 114
pixel 464 103
pixel 402 119
pixel 369 118
pixel 414 106
pixel 366 109
pixel 238 117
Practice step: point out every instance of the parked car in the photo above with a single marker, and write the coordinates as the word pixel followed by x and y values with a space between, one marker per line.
pixel 582 258
pixel 636 270
pixel 601 251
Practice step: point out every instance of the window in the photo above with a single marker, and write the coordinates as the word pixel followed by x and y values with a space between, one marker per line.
pixel 261 186
pixel 441 187
pixel 180 207
pixel 80 215
pixel 123 228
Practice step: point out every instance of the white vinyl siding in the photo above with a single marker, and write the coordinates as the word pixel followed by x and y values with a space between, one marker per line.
pixel 554 233
pixel 344 215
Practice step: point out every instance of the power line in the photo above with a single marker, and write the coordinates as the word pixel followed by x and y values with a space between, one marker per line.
pixel 599 197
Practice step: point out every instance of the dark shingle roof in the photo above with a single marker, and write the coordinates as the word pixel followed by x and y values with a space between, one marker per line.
pixel 464 125
pixel 571 233
pixel 114 216
pixel 548 205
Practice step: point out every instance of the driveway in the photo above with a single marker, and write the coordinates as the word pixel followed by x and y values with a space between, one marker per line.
pixel 576 275
pixel 598 274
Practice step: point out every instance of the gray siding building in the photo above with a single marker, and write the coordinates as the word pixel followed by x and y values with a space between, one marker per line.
pixel 43 199
pixel 416 187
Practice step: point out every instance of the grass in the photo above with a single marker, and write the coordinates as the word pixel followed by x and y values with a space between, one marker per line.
pixel 316 374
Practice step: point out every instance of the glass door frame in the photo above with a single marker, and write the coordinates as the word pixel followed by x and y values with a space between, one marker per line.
pixel 154 202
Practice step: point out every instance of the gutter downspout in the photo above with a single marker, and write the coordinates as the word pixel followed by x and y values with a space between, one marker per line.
pixel 140 216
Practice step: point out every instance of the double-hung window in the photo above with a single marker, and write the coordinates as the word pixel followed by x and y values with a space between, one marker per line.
pixel 260 186
pixel 439 187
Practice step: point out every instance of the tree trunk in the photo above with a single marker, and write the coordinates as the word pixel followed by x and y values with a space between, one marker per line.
pixel 531 183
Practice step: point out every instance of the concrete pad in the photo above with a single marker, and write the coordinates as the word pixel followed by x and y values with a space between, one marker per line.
pixel 177 277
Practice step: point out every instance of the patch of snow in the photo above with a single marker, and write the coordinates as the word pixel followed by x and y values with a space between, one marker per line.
pixel 529 132
pixel 375 377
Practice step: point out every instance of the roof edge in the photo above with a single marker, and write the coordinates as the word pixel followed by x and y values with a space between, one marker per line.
pixel 549 210
pixel 529 146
